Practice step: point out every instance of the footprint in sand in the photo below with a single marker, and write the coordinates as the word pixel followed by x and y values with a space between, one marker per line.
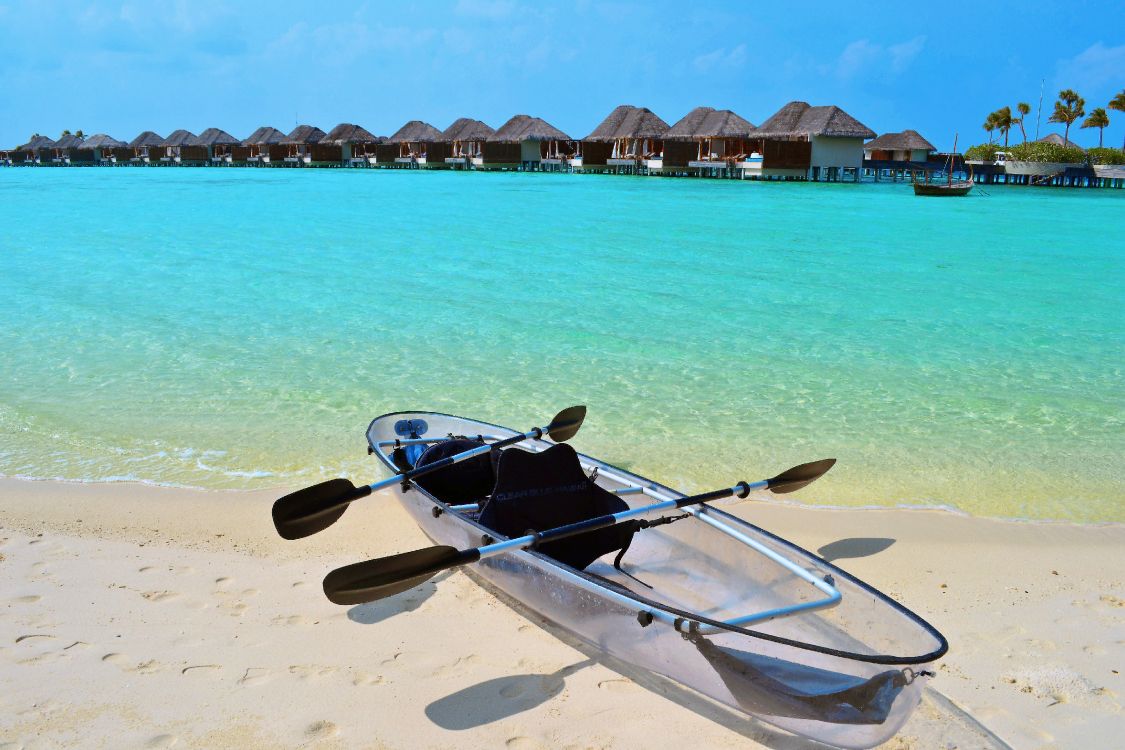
pixel 23 638
pixel 162 741
pixel 522 743
pixel 617 686
pixel 202 669
pixel 147 569
pixel 29 599
pixel 359 679
pixel 311 671
pixel 224 581
pixel 255 676
pixel 290 620
pixel 125 664
pixel 464 661
pixel 321 730
pixel 161 596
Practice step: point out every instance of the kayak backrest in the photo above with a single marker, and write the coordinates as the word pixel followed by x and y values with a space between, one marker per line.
pixel 540 491
pixel 468 481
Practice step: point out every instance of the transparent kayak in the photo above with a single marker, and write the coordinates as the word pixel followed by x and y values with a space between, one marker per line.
pixel 712 602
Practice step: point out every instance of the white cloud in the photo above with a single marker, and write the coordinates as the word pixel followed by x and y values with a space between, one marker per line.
pixel 903 54
pixel 863 54
pixel 720 58
pixel 1093 68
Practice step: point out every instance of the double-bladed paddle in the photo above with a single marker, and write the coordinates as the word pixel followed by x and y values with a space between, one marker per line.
pixel 305 512
pixel 386 576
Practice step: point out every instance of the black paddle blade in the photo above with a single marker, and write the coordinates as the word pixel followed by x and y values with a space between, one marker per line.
pixel 800 476
pixel 566 423
pixel 305 512
pixel 386 576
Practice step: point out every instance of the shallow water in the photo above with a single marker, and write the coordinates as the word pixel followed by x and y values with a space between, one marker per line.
pixel 240 327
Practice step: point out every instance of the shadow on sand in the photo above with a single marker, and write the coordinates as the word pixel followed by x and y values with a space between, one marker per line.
pixel 843 549
pixel 503 697
pixel 408 601
pixel 499 698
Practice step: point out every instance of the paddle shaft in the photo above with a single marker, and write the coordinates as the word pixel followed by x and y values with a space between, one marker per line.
pixel 536 433
pixel 535 538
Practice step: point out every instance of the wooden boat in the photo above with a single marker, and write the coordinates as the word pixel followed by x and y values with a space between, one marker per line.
pixel 700 596
pixel 949 187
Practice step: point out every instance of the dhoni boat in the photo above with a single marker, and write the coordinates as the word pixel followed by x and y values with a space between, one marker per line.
pixel 654 578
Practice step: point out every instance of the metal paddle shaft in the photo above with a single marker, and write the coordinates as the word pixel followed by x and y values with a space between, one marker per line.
pixel 386 576
pixel 305 512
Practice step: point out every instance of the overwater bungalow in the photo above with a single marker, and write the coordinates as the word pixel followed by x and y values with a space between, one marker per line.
pixel 414 140
pixel 35 151
pixel 258 143
pixel 625 139
pixel 719 142
pixel 300 143
pixel 907 146
pixel 219 144
pixel 104 149
pixel 466 138
pixel 182 146
pixel 141 145
pixel 834 142
pixel 526 142
pixel 357 145
pixel 66 150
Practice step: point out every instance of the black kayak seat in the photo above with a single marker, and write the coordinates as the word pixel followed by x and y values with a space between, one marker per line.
pixel 540 491
pixel 468 481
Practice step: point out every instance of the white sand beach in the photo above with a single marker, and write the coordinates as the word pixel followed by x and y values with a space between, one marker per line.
pixel 147 617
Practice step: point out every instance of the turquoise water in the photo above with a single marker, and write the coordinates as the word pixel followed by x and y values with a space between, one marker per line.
pixel 238 328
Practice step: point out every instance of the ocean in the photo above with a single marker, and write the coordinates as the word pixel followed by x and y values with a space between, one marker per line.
pixel 239 328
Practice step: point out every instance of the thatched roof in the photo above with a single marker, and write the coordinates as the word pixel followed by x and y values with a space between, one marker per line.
pixel 101 140
pixel 705 122
pixel 345 132
pixel 527 128
pixel 146 139
pixel 264 136
pixel 1058 140
pixel 216 137
pixel 180 138
pixel 800 119
pixel 304 134
pixel 627 121
pixel 416 131
pixel 68 141
pixel 907 140
pixel 467 129
pixel 36 143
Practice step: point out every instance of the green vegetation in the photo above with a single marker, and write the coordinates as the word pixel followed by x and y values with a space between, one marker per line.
pixel 1097 119
pixel 1106 155
pixel 1068 109
pixel 1034 151
pixel 1118 103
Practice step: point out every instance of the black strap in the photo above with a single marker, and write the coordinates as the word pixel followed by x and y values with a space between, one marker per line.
pixel 643 524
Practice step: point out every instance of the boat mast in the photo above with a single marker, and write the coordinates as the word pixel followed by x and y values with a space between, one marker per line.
pixel 952 157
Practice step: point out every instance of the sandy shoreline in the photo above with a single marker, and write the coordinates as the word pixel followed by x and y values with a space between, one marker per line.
pixel 139 616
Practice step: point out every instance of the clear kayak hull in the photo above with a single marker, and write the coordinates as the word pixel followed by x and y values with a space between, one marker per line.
pixel 847 675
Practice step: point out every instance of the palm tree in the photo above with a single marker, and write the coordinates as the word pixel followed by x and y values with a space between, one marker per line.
pixel 1024 108
pixel 65 133
pixel 1118 103
pixel 1097 119
pixel 990 125
pixel 1004 122
pixel 1074 107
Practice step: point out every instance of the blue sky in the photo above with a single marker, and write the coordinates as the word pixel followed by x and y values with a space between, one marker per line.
pixel 131 65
